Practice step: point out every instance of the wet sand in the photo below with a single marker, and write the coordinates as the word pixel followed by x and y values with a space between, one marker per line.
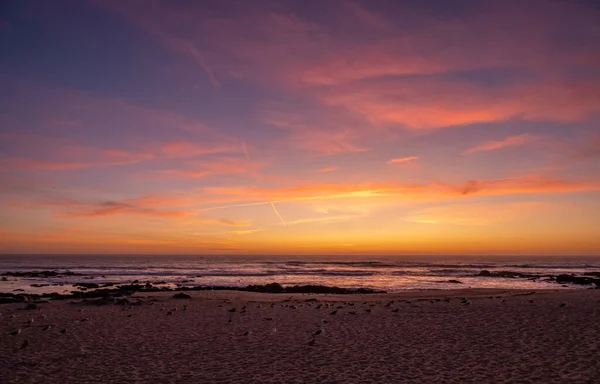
pixel 492 336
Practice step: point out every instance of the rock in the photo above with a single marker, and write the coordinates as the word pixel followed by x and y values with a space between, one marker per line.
pixel 318 332
pixel 570 279
pixel 87 285
pixel 182 295
pixel 31 306
pixel 455 281
pixel 485 273
pixel 25 344
pixel 333 313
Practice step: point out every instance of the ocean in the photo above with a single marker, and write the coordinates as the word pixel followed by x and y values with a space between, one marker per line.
pixel 389 273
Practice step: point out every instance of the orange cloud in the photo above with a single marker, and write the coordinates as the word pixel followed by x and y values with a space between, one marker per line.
pixel 233 223
pixel 402 160
pixel 186 173
pixel 477 214
pixel 426 104
pixel 512 141
pixel 327 169
pixel 248 196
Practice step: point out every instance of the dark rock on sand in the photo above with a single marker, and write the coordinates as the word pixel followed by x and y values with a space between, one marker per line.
pixel 580 280
pixel 31 306
pixel 455 281
pixel 182 295
pixel 87 285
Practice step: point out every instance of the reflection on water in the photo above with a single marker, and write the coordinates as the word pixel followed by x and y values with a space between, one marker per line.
pixel 386 273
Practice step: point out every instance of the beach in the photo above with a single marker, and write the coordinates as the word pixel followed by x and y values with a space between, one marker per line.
pixel 450 336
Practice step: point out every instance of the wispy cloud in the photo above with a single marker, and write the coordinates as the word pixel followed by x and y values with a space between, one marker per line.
pixel 327 169
pixel 478 214
pixel 233 223
pixel 187 148
pixel 403 160
pixel 511 141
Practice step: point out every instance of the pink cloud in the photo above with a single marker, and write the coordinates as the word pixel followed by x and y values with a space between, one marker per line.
pixel 327 169
pixel 511 141
pixel 187 148
pixel 432 104
pixel 403 160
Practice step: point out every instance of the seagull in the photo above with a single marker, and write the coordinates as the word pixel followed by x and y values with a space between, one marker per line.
pixel 16 332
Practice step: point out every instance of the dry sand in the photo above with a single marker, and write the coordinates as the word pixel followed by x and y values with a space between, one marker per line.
pixel 498 337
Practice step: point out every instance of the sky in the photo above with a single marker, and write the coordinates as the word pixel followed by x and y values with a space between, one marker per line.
pixel 300 127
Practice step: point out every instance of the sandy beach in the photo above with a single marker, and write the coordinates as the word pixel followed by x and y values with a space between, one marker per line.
pixel 461 336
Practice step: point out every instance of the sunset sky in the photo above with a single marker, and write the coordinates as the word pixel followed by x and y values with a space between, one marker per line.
pixel 308 126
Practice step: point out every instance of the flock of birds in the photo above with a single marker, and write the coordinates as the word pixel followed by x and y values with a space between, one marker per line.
pixel 352 308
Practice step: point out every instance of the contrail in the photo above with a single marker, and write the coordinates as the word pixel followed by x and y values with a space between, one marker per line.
pixel 245 149
pixel 277 213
